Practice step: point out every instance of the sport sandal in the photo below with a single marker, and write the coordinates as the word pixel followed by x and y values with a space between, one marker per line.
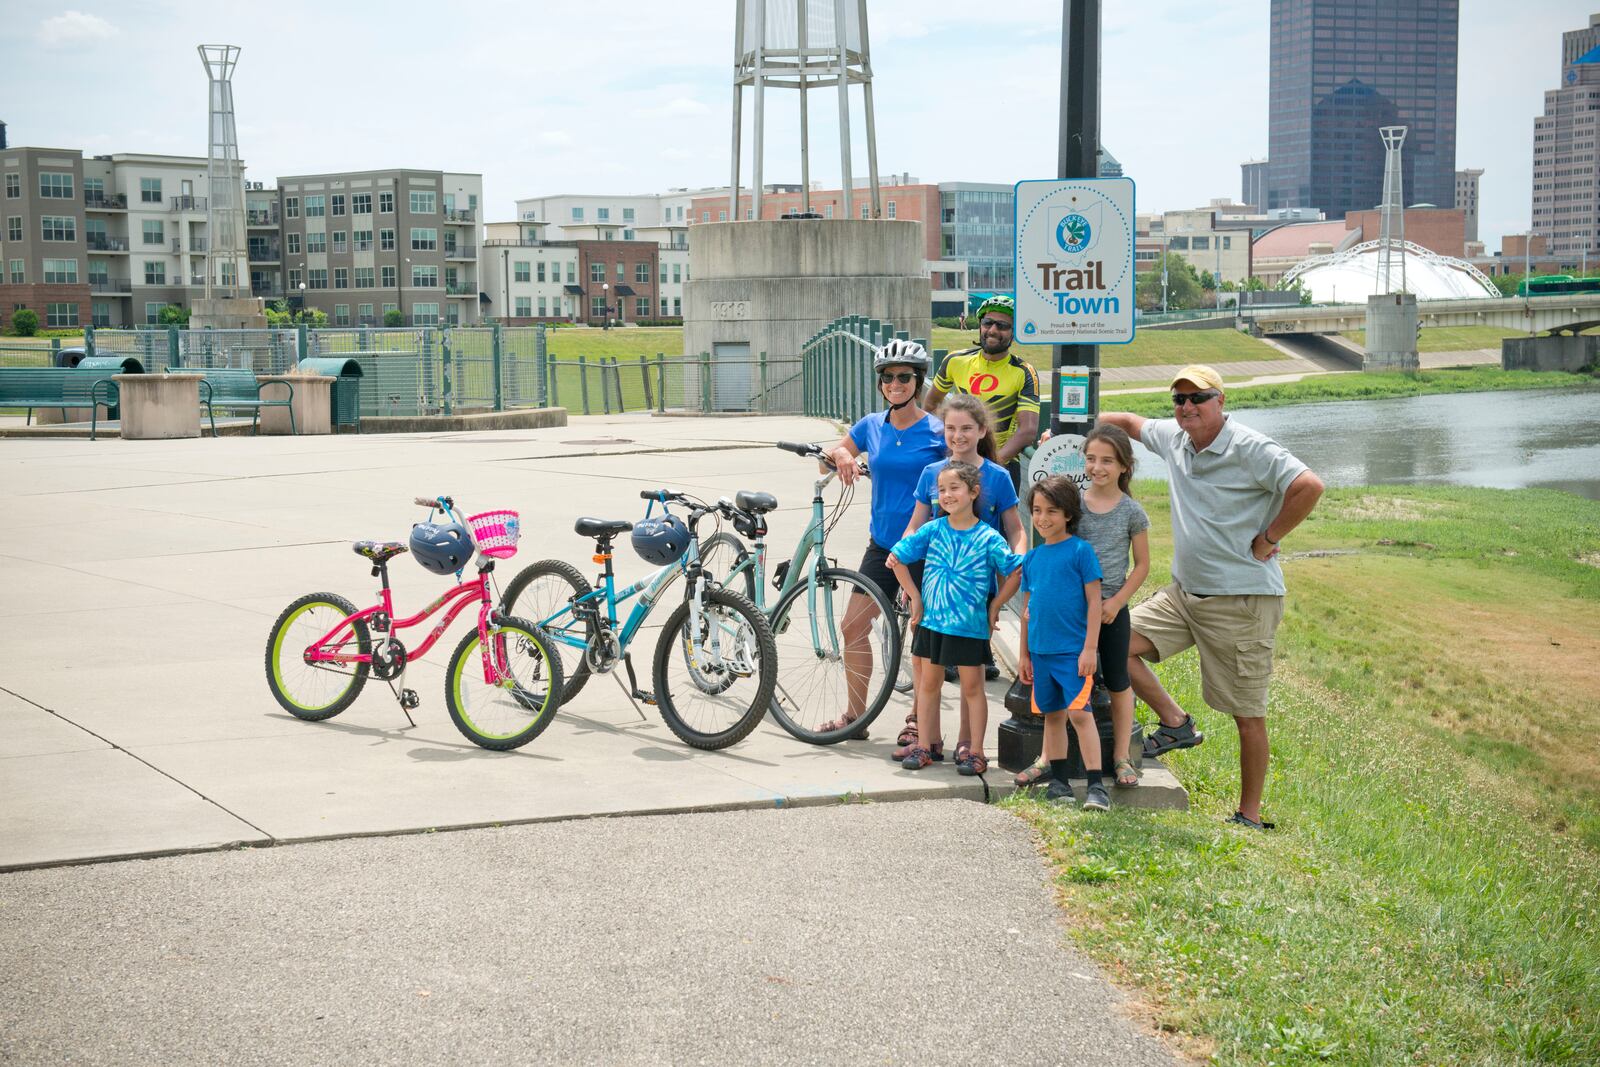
pixel 1127 775
pixel 1166 738
pixel 1238 819
pixel 1035 774
pixel 917 759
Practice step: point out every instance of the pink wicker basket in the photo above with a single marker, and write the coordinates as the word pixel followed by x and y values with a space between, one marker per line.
pixel 496 533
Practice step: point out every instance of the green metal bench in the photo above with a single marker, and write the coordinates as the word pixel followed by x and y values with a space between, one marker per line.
pixel 239 389
pixel 57 387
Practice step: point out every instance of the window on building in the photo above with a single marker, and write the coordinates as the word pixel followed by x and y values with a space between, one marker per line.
pixel 341 278
pixel 294 279
pixel 641 307
pixel 424 238
pixel 54 186
pixel 386 203
pixel 390 307
pixel 572 272
pixel 61 272
pixel 664 304
pixel 317 242
pixel 154 231
pixel 336 206
pixel 360 203
pixel 340 241
pixel 316 206
pixel 539 272
pixel 705 216
pixel 627 235
pixel 677 273
pixel 58 315
pixel 864 207
pixel 317 278
pixel 424 277
pixel 1178 243
pixel 152 312
pixel 291 207
pixel 677 307
pixel 424 203
pixel 58 227
pixel 150 190
pixel 749 214
pixel 13 186
pixel 14 228
pixel 577 214
pixel 364 314
pixel 363 240
pixel 597 272
pixel 641 273
pixel 602 214
pixel 425 314
pixel 1200 244
pixel 155 272
pixel 597 307
pixel 541 307
pixel 100 313
pixel 621 270
pixel 341 314
pixel 292 243
pixel 363 277
pixel 19 275
pixel 890 209
pixel 827 211
pixel 722 216
pixel 386 240
pixel 524 307
pixel 1227 243
pixel 521 272
pixel 387 277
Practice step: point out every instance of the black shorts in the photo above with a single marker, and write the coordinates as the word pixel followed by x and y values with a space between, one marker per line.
pixel 948 650
pixel 1114 640
pixel 875 568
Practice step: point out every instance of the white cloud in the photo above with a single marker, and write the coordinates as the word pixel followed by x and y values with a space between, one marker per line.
pixel 555 138
pixel 74 27
pixel 679 106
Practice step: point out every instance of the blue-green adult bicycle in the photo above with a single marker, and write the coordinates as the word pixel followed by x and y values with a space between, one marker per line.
pixel 832 682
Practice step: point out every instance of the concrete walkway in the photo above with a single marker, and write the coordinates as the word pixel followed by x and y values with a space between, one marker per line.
pixel 142 579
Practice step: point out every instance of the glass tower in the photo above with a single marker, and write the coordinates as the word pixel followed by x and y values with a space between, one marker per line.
pixel 1340 69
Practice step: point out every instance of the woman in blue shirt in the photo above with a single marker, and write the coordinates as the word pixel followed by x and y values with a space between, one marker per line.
pixel 898 444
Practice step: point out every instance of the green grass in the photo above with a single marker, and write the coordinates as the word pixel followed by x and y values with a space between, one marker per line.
pixel 1329 387
pixel 1452 338
pixel 1430 893
pixel 1148 348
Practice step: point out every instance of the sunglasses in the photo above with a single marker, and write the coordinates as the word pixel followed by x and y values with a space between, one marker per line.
pixel 902 377
pixel 1196 399
pixel 994 324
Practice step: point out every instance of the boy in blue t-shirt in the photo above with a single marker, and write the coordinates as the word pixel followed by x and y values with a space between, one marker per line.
pixel 1060 634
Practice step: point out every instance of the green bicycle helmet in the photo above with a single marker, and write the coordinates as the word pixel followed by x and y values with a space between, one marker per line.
pixel 1003 304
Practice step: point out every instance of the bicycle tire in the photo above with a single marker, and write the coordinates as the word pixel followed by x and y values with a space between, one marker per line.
pixel 314 709
pixel 713 562
pixel 510 721
pixel 903 681
pixel 749 627
pixel 516 603
pixel 797 704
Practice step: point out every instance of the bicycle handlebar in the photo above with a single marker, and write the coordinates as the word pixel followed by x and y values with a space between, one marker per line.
pixel 427 502
pixel 800 449
pixel 662 496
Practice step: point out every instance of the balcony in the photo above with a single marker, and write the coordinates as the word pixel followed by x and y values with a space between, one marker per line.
pixel 187 204
pixel 461 252
pixel 259 217
pixel 99 242
pixel 197 245
pixel 261 252
pixel 268 292
pixel 461 290
pixel 99 286
pixel 459 215
pixel 197 281
pixel 513 242
pixel 105 202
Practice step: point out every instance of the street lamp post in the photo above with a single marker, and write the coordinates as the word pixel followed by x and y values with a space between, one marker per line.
pixel 605 305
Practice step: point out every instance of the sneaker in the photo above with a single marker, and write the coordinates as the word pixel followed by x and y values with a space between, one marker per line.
pixel 1238 819
pixel 1097 798
pixel 952 675
pixel 1060 792
pixel 991 673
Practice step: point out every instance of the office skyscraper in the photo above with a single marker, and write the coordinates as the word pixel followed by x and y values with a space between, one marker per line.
pixel 1340 69
pixel 1566 176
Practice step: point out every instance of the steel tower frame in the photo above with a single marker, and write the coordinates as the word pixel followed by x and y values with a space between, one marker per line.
pixel 224 176
pixel 1392 227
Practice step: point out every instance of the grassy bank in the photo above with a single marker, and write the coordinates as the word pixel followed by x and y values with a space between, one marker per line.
pixel 1149 348
pixel 1452 338
pixel 1429 895
pixel 1329 387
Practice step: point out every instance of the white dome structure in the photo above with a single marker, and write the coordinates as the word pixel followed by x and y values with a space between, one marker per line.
pixel 1354 271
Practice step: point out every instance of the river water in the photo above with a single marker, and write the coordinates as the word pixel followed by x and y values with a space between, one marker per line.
pixel 1547 439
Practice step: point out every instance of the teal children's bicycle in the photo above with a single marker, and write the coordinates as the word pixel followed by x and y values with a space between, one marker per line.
pixel 715 663
pixel 839 642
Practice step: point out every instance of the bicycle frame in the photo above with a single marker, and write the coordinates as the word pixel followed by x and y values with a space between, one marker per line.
pixel 652 586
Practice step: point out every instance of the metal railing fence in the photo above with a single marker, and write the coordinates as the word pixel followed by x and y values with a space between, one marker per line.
pixel 838 380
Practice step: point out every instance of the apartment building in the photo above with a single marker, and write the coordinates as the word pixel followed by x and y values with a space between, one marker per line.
pixel 658 217
pixel 108 240
pixel 530 277
pixel 359 244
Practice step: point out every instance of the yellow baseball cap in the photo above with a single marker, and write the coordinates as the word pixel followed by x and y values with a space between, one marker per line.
pixel 1201 375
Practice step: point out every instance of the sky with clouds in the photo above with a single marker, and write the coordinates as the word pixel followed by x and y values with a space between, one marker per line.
pixel 635 95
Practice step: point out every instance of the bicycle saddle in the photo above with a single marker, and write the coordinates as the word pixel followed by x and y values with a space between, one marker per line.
pixel 587 527
pixel 380 551
pixel 759 503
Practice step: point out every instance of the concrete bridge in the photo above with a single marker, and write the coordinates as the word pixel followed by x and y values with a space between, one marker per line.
pixel 1568 312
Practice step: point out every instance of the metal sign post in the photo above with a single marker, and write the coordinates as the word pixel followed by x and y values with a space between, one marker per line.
pixel 1078 156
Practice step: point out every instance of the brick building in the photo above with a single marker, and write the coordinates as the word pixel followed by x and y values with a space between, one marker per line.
pixel 529 279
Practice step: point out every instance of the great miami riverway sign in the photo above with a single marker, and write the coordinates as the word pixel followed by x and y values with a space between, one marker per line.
pixel 1074 266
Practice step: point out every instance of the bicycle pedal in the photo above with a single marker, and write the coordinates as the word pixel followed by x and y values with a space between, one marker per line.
pixel 409 699
pixel 644 698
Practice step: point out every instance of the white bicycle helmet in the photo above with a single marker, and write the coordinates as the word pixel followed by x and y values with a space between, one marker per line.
pixel 899 353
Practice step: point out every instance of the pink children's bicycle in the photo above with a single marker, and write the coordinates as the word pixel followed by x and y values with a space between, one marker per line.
pixel 503 685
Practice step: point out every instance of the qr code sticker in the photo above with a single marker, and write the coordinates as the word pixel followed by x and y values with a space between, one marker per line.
pixel 1072 397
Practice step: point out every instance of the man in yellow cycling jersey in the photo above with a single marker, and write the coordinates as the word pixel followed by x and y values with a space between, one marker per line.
pixel 1007 383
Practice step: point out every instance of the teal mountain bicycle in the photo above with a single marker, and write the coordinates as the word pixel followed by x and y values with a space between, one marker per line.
pixel 839 642
pixel 715 663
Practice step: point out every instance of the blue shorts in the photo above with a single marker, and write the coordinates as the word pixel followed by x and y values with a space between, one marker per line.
pixel 1056 685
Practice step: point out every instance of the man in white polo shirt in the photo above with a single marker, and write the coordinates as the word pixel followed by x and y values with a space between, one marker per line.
pixel 1235 495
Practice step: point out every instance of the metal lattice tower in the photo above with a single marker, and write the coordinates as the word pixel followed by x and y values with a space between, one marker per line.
pixel 804 45
pixel 224 176
pixel 1392 227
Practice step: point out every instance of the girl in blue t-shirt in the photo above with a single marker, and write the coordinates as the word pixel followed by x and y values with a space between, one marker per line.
pixel 953 612
pixel 1060 634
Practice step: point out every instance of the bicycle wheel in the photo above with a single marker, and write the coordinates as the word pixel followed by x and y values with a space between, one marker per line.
pixel 539 593
pixel 900 622
pixel 513 706
pixel 316 691
pixel 818 675
pixel 719 555
pixel 731 641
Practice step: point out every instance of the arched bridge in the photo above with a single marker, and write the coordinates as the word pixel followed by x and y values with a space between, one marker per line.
pixel 1564 313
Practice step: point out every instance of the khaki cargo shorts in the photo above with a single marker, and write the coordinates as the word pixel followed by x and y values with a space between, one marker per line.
pixel 1233 634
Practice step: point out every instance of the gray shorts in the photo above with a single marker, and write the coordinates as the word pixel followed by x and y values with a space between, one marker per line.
pixel 1234 635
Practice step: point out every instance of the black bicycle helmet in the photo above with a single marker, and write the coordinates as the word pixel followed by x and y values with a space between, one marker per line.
pixel 661 540
pixel 442 548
